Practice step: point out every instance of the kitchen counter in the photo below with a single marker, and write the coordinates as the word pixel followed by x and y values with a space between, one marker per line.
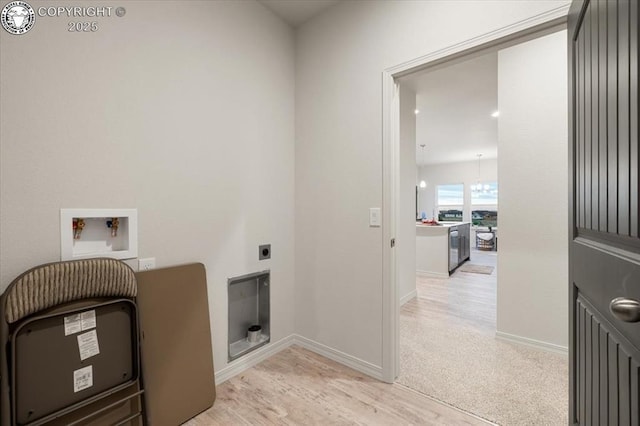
pixel 433 248
pixel 442 227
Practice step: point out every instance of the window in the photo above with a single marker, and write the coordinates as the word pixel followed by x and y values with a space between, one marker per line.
pixel 450 202
pixel 484 204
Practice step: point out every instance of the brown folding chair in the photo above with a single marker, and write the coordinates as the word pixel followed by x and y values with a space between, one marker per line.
pixel 70 340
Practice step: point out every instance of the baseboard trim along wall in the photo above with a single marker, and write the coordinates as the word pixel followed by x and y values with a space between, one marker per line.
pixel 244 363
pixel 407 297
pixel 549 347
pixel 341 357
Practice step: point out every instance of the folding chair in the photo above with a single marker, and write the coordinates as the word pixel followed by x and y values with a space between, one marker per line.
pixel 71 356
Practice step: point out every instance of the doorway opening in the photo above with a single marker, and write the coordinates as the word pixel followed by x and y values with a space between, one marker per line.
pixel 448 326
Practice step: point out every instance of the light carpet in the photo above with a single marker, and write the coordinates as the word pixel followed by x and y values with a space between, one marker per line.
pixel 448 350
pixel 505 383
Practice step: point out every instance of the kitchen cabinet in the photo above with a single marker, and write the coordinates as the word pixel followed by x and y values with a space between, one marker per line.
pixel 459 245
pixel 437 253
pixel 464 251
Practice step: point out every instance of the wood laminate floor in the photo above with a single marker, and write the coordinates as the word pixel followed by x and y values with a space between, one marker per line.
pixel 299 387
pixel 463 299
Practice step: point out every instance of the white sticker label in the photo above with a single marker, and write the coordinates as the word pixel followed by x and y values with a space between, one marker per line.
pixel 72 324
pixel 88 320
pixel 88 345
pixel 83 378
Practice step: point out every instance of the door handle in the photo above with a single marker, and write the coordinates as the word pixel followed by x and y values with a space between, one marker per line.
pixel 627 310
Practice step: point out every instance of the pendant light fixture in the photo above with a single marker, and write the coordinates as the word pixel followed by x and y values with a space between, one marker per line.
pixel 478 187
pixel 423 183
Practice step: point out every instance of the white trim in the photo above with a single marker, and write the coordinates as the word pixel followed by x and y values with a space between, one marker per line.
pixel 251 359
pixel 338 356
pixel 538 344
pixel 485 40
pixel 431 274
pixel 390 169
pixel 404 299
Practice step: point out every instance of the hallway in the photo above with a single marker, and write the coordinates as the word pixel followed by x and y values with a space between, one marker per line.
pixel 448 350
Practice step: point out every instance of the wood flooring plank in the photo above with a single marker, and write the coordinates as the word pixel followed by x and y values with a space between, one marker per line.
pixel 299 387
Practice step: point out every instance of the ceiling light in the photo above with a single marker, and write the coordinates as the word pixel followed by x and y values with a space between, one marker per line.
pixel 423 183
pixel 495 114
pixel 478 186
pixel 416 111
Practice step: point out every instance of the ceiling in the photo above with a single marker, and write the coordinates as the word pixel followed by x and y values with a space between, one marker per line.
pixel 455 101
pixel 297 12
pixel 455 104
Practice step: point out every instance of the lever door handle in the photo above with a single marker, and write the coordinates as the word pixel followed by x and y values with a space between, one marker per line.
pixel 627 310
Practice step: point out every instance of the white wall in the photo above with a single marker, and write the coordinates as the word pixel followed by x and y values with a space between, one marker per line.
pixel 340 56
pixel 533 164
pixel 406 230
pixel 183 110
pixel 464 172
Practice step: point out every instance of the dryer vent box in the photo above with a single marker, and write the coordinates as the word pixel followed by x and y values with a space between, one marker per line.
pixel 248 307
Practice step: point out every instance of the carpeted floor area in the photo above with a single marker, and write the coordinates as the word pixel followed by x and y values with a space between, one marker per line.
pixel 449 351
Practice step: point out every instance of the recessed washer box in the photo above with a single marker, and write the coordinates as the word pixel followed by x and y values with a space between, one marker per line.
pixel 248 306
pixel 97 238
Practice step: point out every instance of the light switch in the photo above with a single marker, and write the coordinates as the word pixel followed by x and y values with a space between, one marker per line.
pixel 375 218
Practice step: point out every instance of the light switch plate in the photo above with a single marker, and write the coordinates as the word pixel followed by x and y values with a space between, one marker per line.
pixel 375 217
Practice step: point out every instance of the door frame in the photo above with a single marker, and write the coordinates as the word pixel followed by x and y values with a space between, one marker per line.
pixel 534 27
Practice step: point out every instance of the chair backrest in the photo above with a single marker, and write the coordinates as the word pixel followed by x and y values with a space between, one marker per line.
pixel 52 284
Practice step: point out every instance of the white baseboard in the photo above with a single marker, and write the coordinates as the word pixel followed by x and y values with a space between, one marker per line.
pixel 341 357
pixel 413 293
pixel 247 361
pixel 432 274
pixel 549 347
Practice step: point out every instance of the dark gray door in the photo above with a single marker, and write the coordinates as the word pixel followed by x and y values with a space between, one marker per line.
pixel 604 244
